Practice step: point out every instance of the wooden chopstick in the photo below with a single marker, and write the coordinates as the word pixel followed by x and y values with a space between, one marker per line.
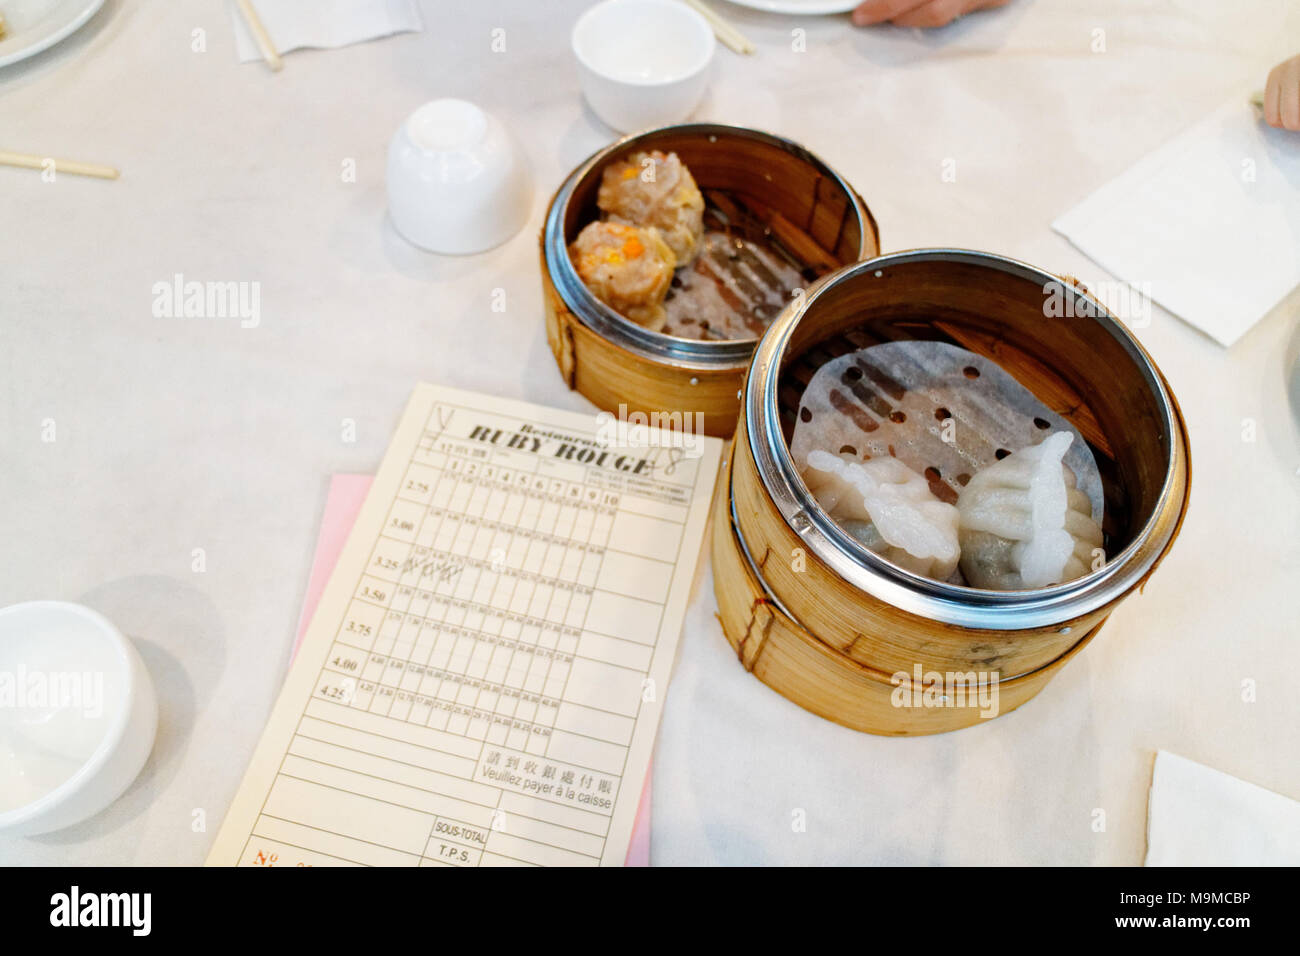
pixel 724 31
pixel 71 167
pixel 269 52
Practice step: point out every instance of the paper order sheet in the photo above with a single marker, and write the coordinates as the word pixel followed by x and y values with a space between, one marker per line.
pixel 483 679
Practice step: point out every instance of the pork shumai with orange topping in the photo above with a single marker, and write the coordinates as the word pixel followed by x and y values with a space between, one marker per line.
pixel 655 189
pixel 629 268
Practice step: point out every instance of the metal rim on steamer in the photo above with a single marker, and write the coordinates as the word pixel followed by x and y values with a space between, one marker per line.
pixel 600 318
pixel 935 600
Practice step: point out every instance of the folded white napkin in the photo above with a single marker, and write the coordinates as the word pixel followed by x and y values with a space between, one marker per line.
pixel 1202 817
pixel 327 24
pixel 1208 225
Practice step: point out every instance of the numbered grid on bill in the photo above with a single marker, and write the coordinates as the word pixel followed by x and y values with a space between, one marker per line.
pixel 452 669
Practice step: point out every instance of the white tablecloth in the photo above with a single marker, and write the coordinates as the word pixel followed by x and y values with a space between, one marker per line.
pixel 173 434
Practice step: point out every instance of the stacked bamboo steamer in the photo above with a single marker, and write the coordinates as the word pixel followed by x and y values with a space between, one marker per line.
pixel 808 610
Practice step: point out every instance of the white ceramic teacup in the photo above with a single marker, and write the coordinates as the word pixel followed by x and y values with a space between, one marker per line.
pixel 77 715
pixel 457 180
pixel 643 63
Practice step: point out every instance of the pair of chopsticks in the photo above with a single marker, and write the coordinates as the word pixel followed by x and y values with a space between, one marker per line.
pixel 75 168
pixel 724 31
pixel 269 53
pixel 69 166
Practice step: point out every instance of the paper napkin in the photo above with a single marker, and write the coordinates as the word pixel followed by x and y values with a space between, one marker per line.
pixel 294 24
pixel 1203 817
pixel 1208 225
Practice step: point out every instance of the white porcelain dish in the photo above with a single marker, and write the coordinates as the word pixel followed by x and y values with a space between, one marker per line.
pixel 77 715
pixel 35 25
pixel 457 180
pixel 643 63
pixel 803 7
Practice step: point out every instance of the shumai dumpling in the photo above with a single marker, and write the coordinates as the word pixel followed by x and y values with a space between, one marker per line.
pixel 655 189
pixel 889 509
pixel 1024 524
pixel 626 267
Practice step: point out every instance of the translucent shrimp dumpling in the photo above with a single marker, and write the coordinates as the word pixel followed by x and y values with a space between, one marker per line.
pixel 1024 524
pixel 627 268
pixel 655 189
pixel 889 509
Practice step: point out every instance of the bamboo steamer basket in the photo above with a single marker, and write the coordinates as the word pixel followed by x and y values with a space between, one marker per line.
pixel 828 623
pixel 622 367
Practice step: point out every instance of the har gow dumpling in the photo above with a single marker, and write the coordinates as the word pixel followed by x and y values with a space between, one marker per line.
pixel 627 268
pixel 889 509
pixel 654 189
pixel 1024 524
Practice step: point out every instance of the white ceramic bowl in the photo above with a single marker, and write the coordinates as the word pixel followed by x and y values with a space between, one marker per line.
pixel 643 63
pixel 77 715
pixel 457 180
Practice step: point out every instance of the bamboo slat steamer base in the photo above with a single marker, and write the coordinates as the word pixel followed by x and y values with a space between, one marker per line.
pixel 782 654
pixel 821 224
pixel 803 627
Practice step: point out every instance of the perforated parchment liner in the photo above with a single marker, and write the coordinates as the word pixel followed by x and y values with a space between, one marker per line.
pixel 895 399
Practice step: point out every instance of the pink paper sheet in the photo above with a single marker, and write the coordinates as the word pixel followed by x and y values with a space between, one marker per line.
pixel 342 505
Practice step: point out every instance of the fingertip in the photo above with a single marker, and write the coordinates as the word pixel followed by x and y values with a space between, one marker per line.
pixel 1272 98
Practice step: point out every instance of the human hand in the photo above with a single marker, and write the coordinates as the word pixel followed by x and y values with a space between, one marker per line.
pixel 1282 95
pixel 917 13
